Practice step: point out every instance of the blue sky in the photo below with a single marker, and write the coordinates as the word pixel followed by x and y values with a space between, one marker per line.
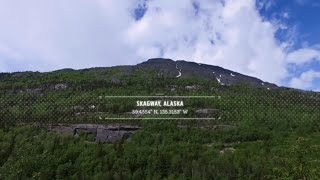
pixel 275 40
pixel 301 16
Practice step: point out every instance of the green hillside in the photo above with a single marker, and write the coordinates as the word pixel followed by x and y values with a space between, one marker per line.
pixel 261 133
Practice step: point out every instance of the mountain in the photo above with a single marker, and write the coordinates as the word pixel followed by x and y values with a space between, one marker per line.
pixel 72 124
pixel 185 69
pixel 166 67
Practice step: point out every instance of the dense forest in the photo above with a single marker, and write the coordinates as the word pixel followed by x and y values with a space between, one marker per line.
pixel 273 134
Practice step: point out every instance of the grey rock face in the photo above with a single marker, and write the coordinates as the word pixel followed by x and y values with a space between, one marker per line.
pixel 192 88
pixel 207 112
pixel 36 91
pixel 85 131
pixel 116 81
pixel 110 136
pixel 60 87
pixel 61 129
pixel 103 133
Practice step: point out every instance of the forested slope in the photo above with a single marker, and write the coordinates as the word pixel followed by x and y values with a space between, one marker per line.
pixel 272 132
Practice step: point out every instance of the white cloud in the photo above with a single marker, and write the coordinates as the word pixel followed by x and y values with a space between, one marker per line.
pixel 265 4
pixel 58 34
pixel 54 34
pixel 242 41
pixel 8 52
pixel 306 79
pixel 286 15
pixel 304 55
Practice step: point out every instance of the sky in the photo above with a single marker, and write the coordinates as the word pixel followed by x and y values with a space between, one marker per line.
pixel 275 40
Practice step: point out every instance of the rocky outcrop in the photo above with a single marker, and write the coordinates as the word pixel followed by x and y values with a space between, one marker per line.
pixel 112 136
pixel 116 81
pixel 60 86
pixel 192 88
pixel 61 129
pixel 54 87
pixel 103 133
pixel 36 91
pixel 207 112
